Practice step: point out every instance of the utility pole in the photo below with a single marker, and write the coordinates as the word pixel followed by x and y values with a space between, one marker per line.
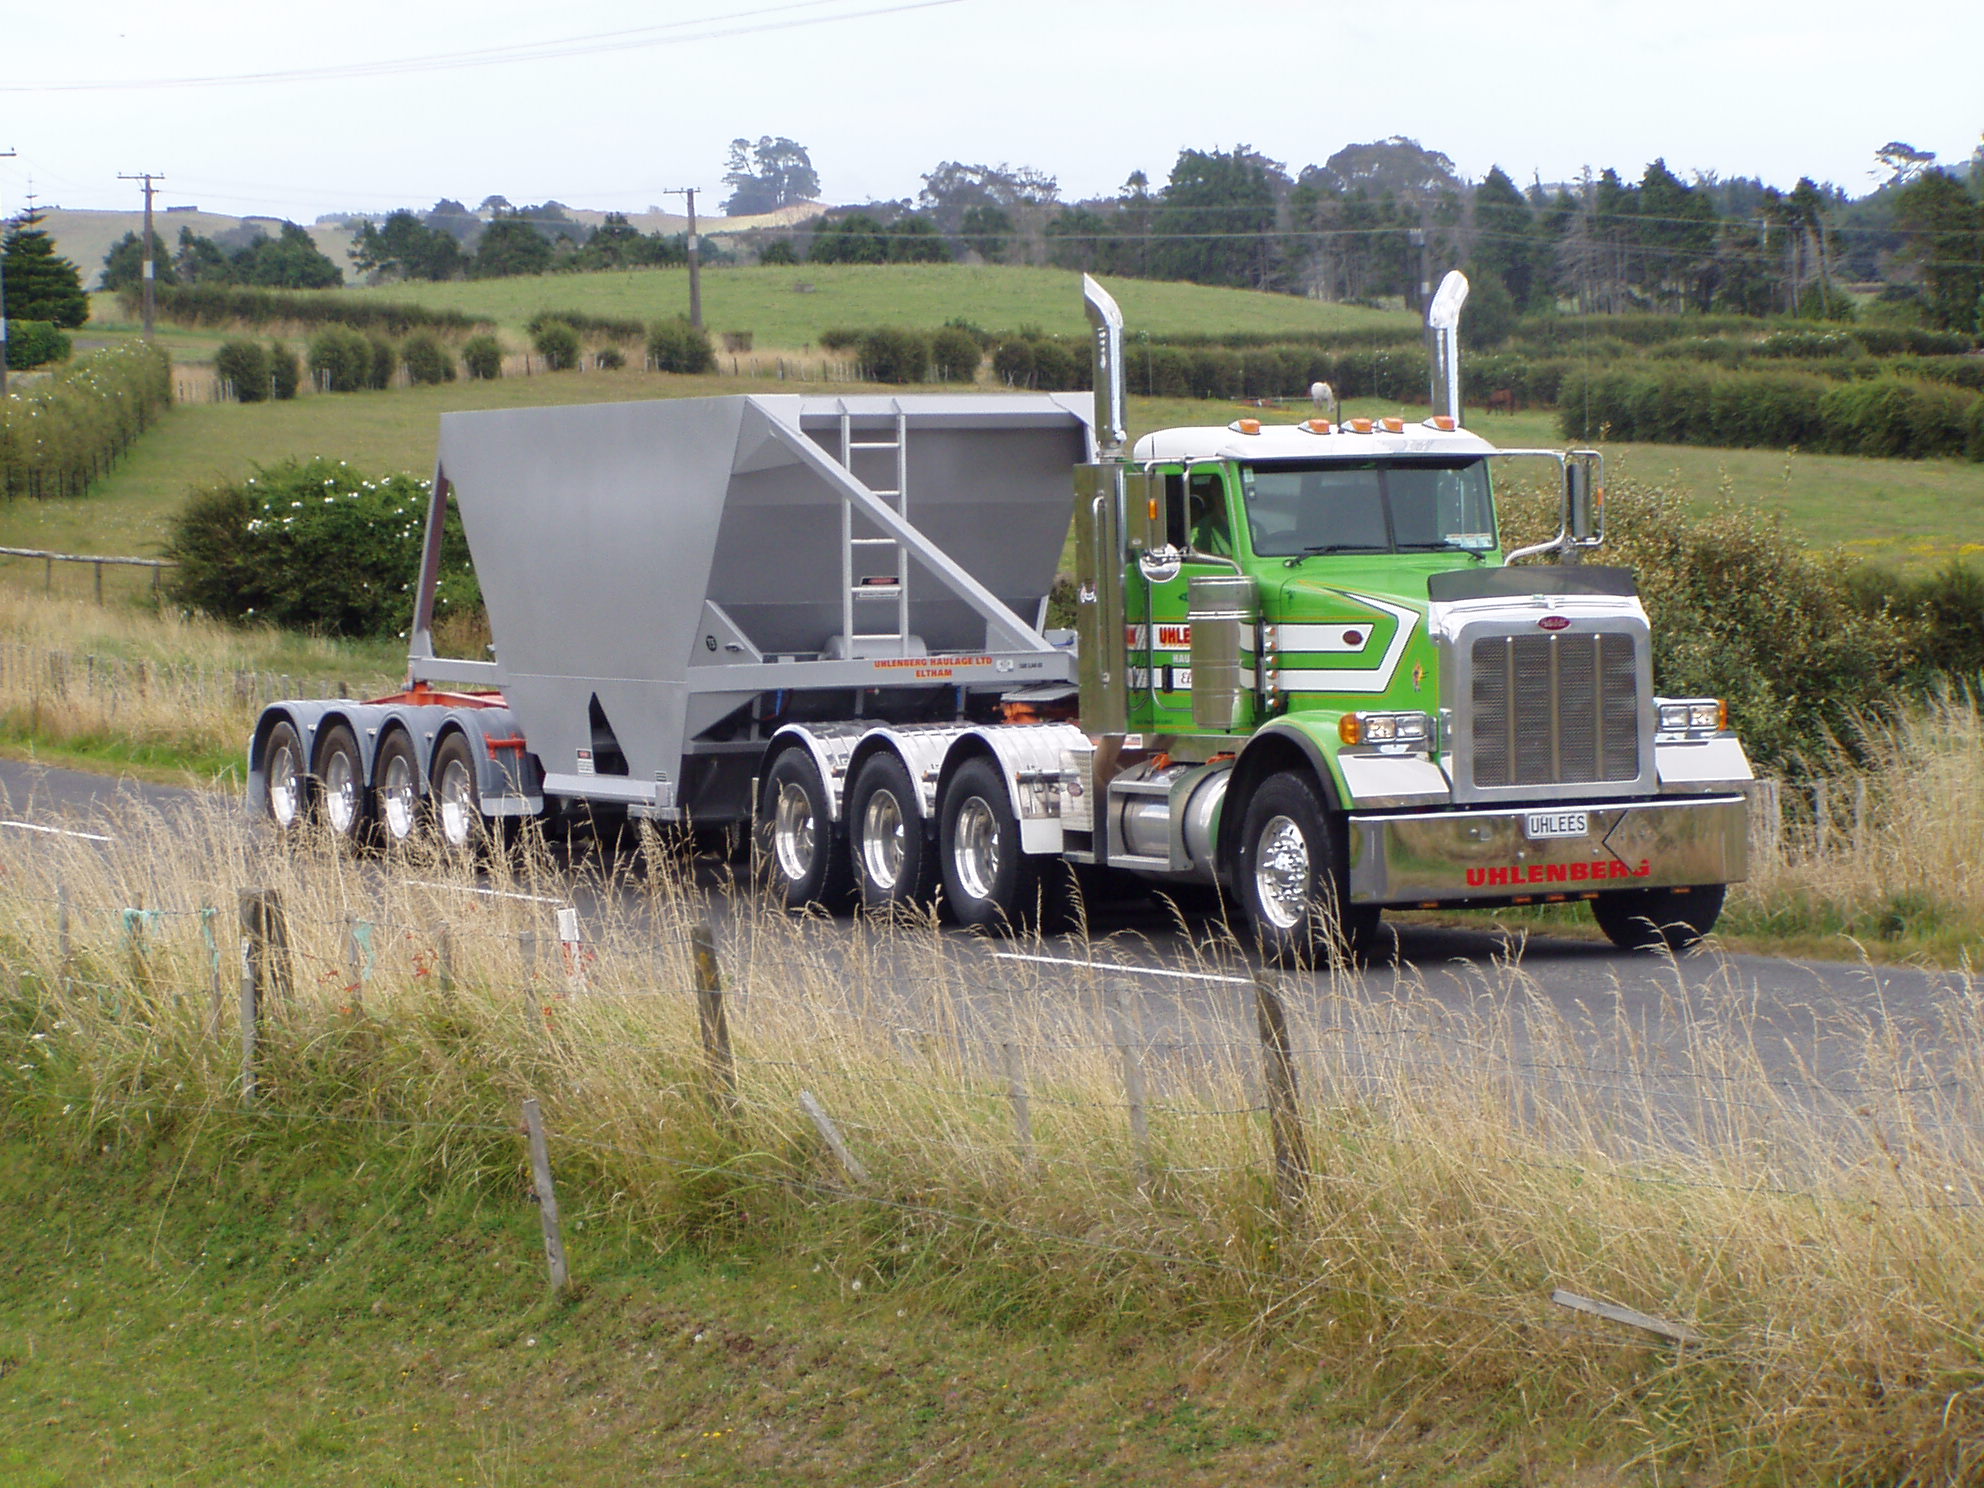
pixel 695 259
pixel 147 177
pixel 4 155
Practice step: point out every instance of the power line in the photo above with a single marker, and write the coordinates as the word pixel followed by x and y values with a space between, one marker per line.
pixel 671 33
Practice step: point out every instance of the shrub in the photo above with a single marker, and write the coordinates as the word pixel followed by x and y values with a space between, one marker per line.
pixel 1159 371
pixel 677 346
pixel 244 367
pixel 309 545
pixel 385 362
pixel 1889 417
pixel 1057 369
pixel 35 343
pixel 58 436
pixel 1012 363
pixel 284 371
pixel 483 357
pixel 1215 373
pixel 778 251
pixel 557 341
pixel 340 359
pixel 955 355
pixel 428 362
pixel 841 338
pixel 895 354
pixel 609 359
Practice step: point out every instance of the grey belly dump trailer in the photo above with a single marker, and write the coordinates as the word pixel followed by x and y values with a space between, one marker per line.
pixel 1302 668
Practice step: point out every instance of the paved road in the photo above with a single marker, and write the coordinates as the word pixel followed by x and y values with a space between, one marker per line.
pixel 1812 1019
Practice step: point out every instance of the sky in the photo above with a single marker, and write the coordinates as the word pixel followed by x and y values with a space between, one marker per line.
pixel 609 104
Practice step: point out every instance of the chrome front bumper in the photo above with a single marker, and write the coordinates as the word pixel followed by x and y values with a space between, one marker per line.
pixel 1456 857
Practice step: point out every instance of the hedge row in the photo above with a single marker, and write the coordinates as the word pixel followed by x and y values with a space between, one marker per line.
pixel 234 304
pixel 1692 404
pixel 617 327
pixel 62 434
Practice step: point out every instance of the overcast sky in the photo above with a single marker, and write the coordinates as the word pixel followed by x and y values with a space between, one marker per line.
pixel 879 91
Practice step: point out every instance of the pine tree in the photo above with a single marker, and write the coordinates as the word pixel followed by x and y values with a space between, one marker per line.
pixel 40 285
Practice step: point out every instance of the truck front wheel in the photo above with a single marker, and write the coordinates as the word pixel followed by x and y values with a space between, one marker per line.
pixel 1659 919
pixel 1292 876
pixel 797 843
pixel 988 881
pixel 891 856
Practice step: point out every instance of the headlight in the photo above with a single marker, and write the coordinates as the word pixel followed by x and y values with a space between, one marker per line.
pixel 1695 716
pixel 1386 728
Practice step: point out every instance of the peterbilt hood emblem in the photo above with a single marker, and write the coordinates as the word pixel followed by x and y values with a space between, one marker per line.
pixel 1555 622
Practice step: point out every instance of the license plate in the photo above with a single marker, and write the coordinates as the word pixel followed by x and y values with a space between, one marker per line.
pixel 1557 824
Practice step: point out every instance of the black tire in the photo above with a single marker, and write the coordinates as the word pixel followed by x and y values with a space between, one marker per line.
pixel 459 825
pixel 988 881
pixel 802 852
pixel 344 806
pixel 399 806
pixel 1291 876
pixel 1659 919
pixel 889 848
pixel 288 778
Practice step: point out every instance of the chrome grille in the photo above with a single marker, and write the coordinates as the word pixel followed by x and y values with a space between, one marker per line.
pixel 1555 709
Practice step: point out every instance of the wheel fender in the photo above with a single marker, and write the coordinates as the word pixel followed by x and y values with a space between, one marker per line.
pixel 831 750
pixel 508 779
pixel 1037 761
pixel 923 752
pixel 1285 744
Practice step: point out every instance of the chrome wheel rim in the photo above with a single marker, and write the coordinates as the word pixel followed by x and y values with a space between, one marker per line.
pixel 459 815
pixel 793 835
pixel 884 845
pixel 399 801
pixel 341 793
pixel 977 849
pixel 285 787
pixel 1281 873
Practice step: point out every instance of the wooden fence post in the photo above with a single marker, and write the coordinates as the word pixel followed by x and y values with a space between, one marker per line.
pixel 547 1197
pixel 354 960
pixel 444 959
pixel 251 1015
pixel 1291 1150
pixel 62 937
pixel 216 997
pixel 1016 1095
pixel 715 1022
pixel 1133 1087
pixel 265 929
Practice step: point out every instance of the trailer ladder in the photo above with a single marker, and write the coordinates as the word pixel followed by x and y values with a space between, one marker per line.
pixel 869 588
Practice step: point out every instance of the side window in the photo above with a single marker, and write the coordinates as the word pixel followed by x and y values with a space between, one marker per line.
pixel 1174 510
pixel 1206 518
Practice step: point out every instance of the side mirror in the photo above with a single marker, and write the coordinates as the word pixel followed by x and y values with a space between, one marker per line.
pixel 1146 510
pixel 1584 498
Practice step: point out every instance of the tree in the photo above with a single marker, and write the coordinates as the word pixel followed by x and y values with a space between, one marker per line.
pixel 404 247
pixel 1903 162
pixel 1505 231
pixel 982 206
pixel 201 260
pixel 124 264
pixel 1397 166
pixel 1945 227
pixel 290 260
pixel 1217 222
pixel 509 246
pixel 987 230
pixel 774 173
pixel 40 285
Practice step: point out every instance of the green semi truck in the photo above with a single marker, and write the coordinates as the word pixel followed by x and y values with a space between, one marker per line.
pixel 1305 667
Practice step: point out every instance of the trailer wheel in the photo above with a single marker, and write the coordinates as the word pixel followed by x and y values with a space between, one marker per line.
pixel 1659 919
pixel 797 843
pixel 988 881
pixel 396 802
pixel 342 803
pixel 893 864
pixel 289 782
pixel 458 818
pixel 1292 876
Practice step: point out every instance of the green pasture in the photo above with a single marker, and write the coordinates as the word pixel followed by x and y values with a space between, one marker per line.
pixel 788 306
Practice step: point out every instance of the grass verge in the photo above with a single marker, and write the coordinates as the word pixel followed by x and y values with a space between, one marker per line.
pixel 1815 1223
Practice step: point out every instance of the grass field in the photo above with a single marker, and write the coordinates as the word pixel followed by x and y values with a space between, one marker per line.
pixel 772 305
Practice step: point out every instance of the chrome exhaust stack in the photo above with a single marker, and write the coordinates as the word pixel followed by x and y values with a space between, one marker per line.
pixel 1443 324
pixel 1111 407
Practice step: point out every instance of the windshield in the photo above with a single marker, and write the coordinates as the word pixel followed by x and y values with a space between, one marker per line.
pixel 1369 506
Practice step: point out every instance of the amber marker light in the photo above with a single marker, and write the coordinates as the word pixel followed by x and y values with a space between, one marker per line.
pixel 1350 729
pixel 1358 425
pixel 1392 425
pixel 1442 421
pixel 1318 426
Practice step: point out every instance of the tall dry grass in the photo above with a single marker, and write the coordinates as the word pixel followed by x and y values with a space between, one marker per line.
pixel 1800 1188
pixel 156 685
